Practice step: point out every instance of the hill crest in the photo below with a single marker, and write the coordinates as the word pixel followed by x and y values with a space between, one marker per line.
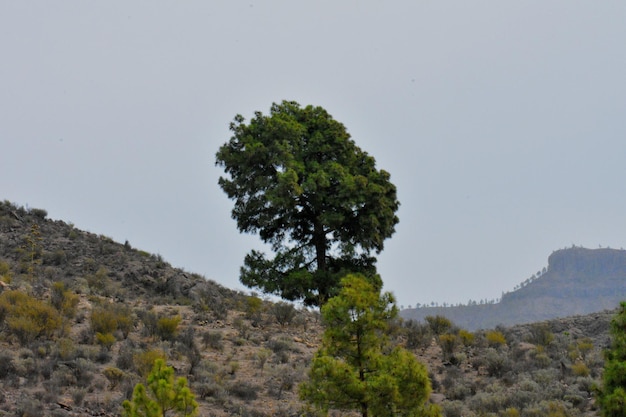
pixel 577 281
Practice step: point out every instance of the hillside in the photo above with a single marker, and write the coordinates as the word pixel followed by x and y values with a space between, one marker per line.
pixel 120 308
pixel 577 281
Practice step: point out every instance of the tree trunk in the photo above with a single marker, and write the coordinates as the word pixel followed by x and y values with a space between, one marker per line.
pixel 319 240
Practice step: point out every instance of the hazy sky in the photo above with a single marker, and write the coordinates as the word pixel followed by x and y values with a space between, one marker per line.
pixel 503 124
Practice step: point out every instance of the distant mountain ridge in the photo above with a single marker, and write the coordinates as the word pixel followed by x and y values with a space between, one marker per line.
pixel 577 281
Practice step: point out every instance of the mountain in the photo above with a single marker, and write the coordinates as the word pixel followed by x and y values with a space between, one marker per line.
pixel 577 281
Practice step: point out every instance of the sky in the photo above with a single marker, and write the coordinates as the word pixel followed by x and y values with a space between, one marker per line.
pixel 502 124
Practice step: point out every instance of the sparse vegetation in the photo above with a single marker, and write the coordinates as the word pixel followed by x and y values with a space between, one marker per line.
pixel 101 302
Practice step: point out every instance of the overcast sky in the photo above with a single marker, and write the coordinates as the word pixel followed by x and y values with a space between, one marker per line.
pixel 503 124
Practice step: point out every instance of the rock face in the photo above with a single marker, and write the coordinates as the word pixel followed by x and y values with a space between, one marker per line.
pixel 577 281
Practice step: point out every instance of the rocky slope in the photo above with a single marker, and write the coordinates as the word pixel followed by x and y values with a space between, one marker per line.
pixel 121 308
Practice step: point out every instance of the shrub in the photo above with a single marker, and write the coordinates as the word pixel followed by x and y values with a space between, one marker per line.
pixel 580 369
pixel 144 361
pixel 467 338
pixel 78 396
pixel 28 318
pixel 39 213
pixel 125 356
pixel 262 355
pixel 254 307
pixel 454 409
pixel 244 390
pixel 114 375
pixel 283 380
pixel 167 327
pixel 438 324
pixel 104 319
pixel 495 338
pixel 418 335
pixel 496 363
pixel 63 300
pixel 541 334
pixel 7 366
pixel 106 340
pixel 149 320
pixel 65 349
pixel 213 340
pixel 283 313
pixel 448 343
pixel 109 317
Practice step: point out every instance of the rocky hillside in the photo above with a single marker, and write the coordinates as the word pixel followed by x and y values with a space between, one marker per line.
pixel 577 281
pixel 82 319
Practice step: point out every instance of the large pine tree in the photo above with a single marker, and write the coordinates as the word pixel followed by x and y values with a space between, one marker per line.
pixel 300 182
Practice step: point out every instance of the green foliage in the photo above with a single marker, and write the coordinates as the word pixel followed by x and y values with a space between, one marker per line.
pixel 33 250
pixel 254 309
pixel 300 182
pixel 28 318
pixel 284 313
pixel 438 324
pixel 448 342
pixel 541 334
pixel 467 338
pixel 144 361
pixel 106 340
pixel 65 301
pixel 163 394
pixel 612 395
pixel 418 335
pixel 5 272
pixel 114 375
pixel 167 327
pixel 495 338
pixel 357 368
pixel 110 317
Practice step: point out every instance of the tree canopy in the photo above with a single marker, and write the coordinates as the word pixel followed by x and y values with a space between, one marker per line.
pixel 302 184
pixel 357 367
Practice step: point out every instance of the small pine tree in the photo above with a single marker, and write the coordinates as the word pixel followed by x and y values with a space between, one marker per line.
pixel 612 394
pixel 357 367
pixel 163 394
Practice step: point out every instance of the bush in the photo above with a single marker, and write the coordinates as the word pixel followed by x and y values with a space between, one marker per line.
pixel 213 340
pixel 580 369
pixel 244 390
pixel 114 375
pixel 418 335
pixel 104 319
pixel 495 338
pixel 496 363
pixel 144 361
pixel 283 313
pixel 448 343
pixel 109 317
pixel 63 300
pixel 7 366
pixel 541 334
pixel 438 324
pixel 28 318
pixel 167 327
pixel 467 338
pixel 106 340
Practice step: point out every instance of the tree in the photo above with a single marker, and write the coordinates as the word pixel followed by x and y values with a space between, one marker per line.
pixel 300 182
pixel 163 395
pixel 612 395
pixel 357 368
